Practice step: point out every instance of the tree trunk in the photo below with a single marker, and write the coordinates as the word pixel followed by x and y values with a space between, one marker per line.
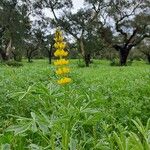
pixel 123 56
pixel 82 47
pixel 87 59
pixel 29 53
pixel 14 56
pixel 8 48
pixel 17 56
pixel 29 56
pixel 148 58
pixel 3 54
pixel 124 52
pixel 50 54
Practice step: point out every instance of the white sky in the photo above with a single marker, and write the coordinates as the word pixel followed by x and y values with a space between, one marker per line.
pixel 77 4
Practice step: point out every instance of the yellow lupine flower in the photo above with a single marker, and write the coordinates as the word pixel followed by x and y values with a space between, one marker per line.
pixel 64 80
pixel 60 53
pixel 56 45
pixel 59 71
pixel 66 70
pixel 58 39
pixel 65 53
pixel 62 45
pixel 61 62
pixel 57 53
pixel 63 70
pixel 59 45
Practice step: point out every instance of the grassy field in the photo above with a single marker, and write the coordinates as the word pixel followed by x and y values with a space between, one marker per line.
pixel 104 108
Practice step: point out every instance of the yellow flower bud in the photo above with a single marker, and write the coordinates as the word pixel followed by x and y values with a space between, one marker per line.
pixel 61 62
pixel 64 80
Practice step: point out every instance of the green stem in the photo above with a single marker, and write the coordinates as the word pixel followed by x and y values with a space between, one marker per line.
pixel 52 140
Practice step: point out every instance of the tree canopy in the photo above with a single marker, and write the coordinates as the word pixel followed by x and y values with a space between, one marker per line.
pixel 99 25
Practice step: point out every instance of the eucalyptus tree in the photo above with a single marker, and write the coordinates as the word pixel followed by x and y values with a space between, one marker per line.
pixel 32 45
pixel 49 46
pixel 14 26
pixel 84 26
pixel 43 22
pixel 40 40
pixel 76 25
pixel 129 21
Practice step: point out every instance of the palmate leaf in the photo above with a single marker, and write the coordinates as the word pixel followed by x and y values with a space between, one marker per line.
pixel 145 132
pixel 21 95
pixel 139 126
pixel 148 125
pixel 35 147
pixel 135 142
pixel 119 141
pixel 19 129
pixel 25 93
pixel 26 124
pixel 73 144
pixel 5 147
pixel 44 122
pixel 34 127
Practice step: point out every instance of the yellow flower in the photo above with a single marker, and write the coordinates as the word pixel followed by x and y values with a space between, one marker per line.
pixel 57 53
pixel 60 45
pixel 59 71
pixel 58 38
pixel 56 45
pixel 64 80
pixel 61 62
pixel 66 70
pixel 65 53
pixel 60 53
pixel 63 70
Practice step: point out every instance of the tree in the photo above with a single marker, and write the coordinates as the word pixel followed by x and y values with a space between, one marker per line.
pixel 84 26
pixel 14 25
pixel 34 44
pixel 49 46
pixel 76 25
pixel 131 21
pixel 44 23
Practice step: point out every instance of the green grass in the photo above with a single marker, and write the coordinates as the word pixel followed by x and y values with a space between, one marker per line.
pixel 96 111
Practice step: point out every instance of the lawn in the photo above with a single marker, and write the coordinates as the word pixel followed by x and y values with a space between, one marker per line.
pixel 104 108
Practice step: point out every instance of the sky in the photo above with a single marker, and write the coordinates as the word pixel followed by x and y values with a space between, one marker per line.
pixel 77 4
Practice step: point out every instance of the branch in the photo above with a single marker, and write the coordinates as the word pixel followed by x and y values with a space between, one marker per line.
pixel 70 32
pixel 104 17
pixel 118 29
pixel 96 11
pixel 49 3
pixel 130 14
pixel 131 37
